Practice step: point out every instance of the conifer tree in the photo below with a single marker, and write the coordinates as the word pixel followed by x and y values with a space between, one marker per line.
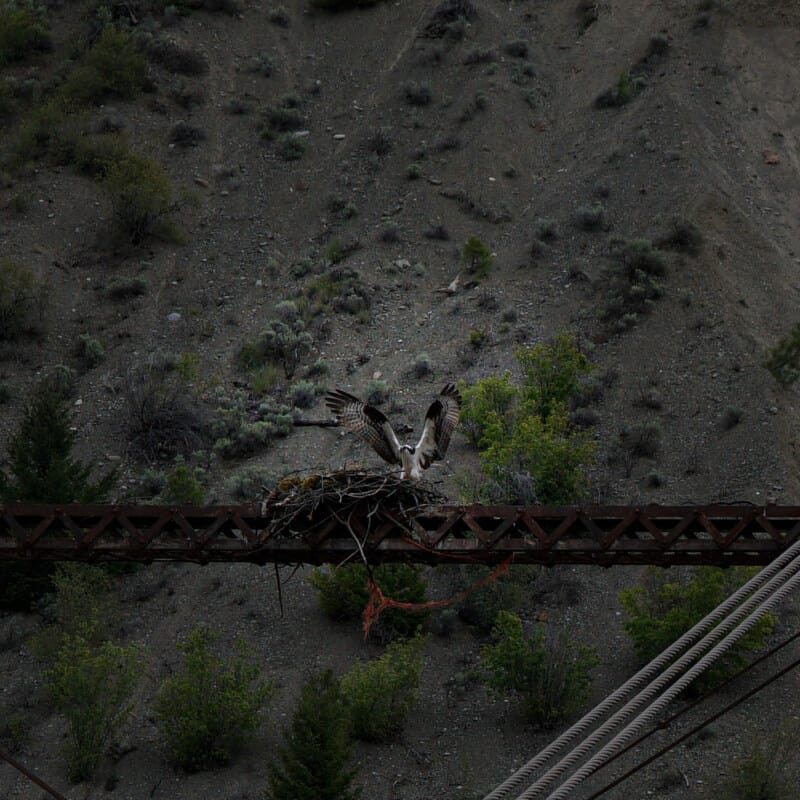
pixel 42 470
pixel 317 747
pixel 40 454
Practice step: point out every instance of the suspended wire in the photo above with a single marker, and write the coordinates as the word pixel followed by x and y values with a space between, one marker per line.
pixel 766 682
pixel 646 717
pixel 30 775
pixel 705 696
pixel 764 582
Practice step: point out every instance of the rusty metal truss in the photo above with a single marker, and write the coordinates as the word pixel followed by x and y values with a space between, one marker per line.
pixel 604 535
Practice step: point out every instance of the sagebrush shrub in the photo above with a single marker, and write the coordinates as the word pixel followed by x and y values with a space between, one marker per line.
pixel 208 708
pixel 551 677
pixel 92 686
pixel 281 343
pixel 89 350
pixel 661 610
pixel 379 694
pixel 238 431
pixel 633 282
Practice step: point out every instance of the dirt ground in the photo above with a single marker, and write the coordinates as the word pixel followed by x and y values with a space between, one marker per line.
pixel 713 137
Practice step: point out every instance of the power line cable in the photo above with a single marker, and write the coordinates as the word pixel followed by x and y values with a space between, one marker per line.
pixel 706 695
pixel 697 728
pixel 30 775
pixel 645 717
pixel 644 676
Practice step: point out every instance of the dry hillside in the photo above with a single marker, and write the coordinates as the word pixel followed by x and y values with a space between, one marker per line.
pixel 395 133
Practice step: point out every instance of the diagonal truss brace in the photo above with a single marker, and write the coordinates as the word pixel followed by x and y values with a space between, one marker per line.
pixel 604 535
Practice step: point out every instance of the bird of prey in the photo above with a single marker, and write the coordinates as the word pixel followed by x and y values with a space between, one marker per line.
pixel 373 427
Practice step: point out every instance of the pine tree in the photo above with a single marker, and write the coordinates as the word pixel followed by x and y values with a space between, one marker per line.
pixel 40 453
pixel 42 470
pixel 317 747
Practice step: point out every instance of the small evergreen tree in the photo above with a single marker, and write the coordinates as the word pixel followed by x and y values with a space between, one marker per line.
pixel 42 470
pixel 317 747
pixel 478 258
pixel 40 454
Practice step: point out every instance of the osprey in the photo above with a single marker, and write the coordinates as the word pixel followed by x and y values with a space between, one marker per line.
pixel 373 427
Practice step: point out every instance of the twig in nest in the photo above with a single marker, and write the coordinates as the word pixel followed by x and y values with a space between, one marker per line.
pixel 303 505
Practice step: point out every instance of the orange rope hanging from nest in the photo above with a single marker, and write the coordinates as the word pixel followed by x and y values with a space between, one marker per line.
pixel 378 602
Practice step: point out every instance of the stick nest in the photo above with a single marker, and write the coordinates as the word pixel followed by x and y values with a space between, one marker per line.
pixel 302 505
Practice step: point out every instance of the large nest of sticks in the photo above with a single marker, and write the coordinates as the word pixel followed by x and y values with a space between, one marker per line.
pixel 309 505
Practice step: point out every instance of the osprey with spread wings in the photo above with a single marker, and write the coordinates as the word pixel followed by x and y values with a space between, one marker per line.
pixel 373 427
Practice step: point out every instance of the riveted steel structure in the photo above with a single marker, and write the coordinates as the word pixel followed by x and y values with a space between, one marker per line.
pixel 603 535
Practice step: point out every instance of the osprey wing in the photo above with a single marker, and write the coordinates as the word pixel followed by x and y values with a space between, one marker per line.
pixel 365 421
pixel 440 422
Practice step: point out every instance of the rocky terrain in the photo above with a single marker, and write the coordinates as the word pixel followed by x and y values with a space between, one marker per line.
pixel 410 131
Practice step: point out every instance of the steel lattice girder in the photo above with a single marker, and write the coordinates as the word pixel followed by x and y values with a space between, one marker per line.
pixel 604 535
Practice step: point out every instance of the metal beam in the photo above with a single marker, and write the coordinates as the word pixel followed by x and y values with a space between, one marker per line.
pixel 605 535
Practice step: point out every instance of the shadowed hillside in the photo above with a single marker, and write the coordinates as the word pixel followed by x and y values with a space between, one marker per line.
pixel 309 181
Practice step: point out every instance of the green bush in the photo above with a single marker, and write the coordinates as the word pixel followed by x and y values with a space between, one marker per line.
pixel 486 406
pixel 379 694
pixel 280 343
pixel 40 133
pixel 81 604
pixel 478 258
pixel 19 296
pixel 23 30
pixel 344 594
pixel 291 146
pixel 313 759
pixel 660 611
pixel 238 431
pixel 113 67
pixel 92 687
pixel 95 155
pixel 625 89
pixel 783 360
pixel 184 486
pixel 530 451
pixel 513 590
pixel 15 729
pixel 633 282
pixel 89 350
pixel 141 199
pixel 765 771
pixel 208 708
pixel 551 678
